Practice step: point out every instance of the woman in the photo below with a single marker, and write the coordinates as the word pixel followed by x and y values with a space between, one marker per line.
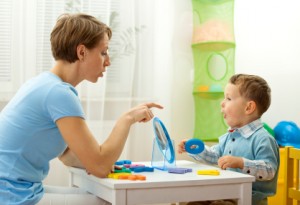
pixel 45 119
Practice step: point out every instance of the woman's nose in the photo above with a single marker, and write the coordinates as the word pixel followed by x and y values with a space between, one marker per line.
pixel 107 61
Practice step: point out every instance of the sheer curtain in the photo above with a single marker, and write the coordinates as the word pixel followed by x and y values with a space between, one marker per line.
pixel 134 77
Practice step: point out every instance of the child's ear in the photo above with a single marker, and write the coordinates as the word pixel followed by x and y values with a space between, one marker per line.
pixel 250 107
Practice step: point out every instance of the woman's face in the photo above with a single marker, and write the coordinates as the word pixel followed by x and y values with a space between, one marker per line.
pixel 96 60
pixel 233 107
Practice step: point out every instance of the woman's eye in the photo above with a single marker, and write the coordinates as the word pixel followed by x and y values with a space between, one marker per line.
pixel 104 53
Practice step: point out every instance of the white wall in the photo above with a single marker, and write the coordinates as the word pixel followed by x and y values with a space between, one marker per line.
pixel 268 44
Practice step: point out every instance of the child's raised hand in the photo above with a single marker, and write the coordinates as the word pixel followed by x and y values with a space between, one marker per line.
pixel 181 146
pixel 231 162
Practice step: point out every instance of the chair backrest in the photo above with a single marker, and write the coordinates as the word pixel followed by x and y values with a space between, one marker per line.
pixel 291 176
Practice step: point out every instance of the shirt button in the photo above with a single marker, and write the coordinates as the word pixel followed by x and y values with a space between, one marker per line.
pixel 230 152
pixel 233 139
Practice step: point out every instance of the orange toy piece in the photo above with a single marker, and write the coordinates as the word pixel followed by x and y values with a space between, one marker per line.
pixel 123 176
pixel 137 177
pixel 132 177
pixel 141 177
pixel 127 176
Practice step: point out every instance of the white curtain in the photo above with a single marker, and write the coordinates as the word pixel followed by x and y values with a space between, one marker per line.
pixel 140 63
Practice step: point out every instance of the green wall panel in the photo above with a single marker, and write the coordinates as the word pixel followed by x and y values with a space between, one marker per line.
pixel 213 51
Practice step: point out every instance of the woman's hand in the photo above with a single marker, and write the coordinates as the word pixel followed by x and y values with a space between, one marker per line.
pixel 142 113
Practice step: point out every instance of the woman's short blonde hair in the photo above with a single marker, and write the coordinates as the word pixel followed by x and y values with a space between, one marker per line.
pixel 72 30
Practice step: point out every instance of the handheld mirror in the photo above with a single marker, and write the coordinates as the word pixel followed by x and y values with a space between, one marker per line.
pixel 163 140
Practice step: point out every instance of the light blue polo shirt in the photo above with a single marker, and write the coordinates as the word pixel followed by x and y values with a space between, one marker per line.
pixel 29 137
pixel 259 151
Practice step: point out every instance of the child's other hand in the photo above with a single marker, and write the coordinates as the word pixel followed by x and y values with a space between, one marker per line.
pixel 231 162
pixel 181 146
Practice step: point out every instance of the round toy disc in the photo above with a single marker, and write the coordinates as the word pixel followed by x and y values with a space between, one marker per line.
pixel 194 146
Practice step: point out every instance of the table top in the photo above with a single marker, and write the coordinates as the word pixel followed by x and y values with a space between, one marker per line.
pixel 160 178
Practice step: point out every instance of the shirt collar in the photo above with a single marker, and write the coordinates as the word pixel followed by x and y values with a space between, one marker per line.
pixel 247 130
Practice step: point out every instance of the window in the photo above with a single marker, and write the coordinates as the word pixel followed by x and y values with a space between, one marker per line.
pixel 25 50
pixel 6 34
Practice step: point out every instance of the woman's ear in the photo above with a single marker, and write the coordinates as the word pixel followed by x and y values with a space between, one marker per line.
pixel 81 52
pixel 250 107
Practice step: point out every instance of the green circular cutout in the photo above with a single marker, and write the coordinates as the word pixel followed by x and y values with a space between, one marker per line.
pixel 217 67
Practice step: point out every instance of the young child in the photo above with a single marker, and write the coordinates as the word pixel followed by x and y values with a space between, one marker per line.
pixel 247 147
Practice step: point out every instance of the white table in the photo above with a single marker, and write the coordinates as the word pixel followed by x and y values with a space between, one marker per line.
pixel 164 187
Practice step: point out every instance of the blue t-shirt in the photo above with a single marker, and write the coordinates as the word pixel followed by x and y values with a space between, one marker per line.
pixel 30 138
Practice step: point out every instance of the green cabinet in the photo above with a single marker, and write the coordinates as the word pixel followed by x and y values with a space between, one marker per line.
pixel 213 52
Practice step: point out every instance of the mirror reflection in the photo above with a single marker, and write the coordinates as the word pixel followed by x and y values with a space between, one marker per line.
pixel 162 139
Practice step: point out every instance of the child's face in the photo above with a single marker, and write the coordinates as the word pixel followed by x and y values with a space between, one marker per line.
pixel 233 107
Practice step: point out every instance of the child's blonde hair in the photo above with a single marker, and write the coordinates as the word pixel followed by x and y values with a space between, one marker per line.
pixel 254 88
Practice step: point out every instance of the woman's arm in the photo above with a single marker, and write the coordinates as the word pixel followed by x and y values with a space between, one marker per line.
pixel 99 159
pixel 69 159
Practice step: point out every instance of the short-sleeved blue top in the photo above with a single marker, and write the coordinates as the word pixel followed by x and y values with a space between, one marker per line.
pixel 29 136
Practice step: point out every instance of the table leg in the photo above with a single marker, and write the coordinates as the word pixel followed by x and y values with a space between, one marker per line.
pixel 119 197
pixel 246 198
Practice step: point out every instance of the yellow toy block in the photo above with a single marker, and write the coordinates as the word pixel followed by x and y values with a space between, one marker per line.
pixel 208 172
pixel 117 175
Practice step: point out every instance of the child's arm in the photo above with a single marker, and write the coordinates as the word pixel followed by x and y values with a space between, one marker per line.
pixel 265 164
pixel 262 170
pixel 209 155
